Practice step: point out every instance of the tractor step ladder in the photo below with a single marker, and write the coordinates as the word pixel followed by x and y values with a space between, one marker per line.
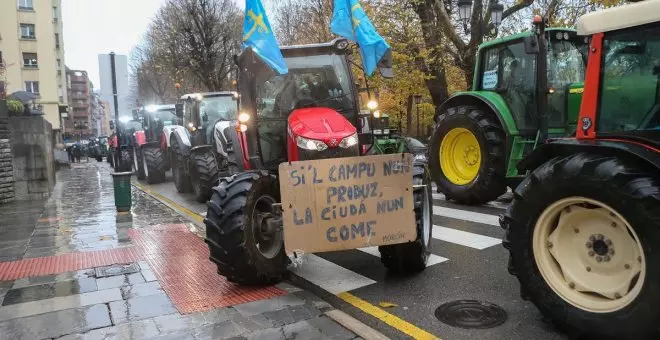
pixel 518 148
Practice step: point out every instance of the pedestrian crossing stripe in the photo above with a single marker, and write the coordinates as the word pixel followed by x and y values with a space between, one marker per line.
pixel 467 215
pixel 433 259
pixel 464 238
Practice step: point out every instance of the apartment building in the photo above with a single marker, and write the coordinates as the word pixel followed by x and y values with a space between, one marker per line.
pixel 32 54
pixel 79 123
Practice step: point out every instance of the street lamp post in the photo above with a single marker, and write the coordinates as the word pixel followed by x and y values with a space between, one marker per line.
pixel 418 100
pixel 465 12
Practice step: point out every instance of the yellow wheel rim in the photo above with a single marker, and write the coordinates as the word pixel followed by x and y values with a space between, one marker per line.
pixel 460 156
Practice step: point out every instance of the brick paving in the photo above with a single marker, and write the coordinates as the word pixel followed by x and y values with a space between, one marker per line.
pixel 78 270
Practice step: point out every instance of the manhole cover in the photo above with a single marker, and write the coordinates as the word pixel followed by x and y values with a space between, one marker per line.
pixel 471 314
pixel 117 269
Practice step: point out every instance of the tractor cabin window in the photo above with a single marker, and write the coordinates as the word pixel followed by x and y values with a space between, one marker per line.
pixel 511 72
pixel 630 85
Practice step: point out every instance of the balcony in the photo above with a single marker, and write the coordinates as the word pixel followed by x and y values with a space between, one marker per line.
pixel 79 96
pixel 80 105
pixel 78 88
pixel 79 79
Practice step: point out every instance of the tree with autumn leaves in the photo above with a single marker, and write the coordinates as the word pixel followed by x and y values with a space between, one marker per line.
pixel 191 43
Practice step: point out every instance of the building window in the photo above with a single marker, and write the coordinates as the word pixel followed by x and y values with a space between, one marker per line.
pixel 27 31
pixel 30 60
pixel 59 65
pixel 25 4
pixel 57 40
pixel 32 86
pixel 54 13
pixel 2 63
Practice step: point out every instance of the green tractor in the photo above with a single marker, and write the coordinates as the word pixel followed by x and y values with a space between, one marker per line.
pixel 481 135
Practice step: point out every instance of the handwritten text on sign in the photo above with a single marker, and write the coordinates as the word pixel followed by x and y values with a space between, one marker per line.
pixel 347 203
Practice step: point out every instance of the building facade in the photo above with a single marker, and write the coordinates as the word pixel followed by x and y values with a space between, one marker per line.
pixel 105 74
pixel 32 54
pixel 78 124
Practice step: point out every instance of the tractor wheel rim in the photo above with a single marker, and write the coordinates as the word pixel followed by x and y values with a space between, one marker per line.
pixel 460 156
pixel 144 166
pixel 269 245
pixel 589 255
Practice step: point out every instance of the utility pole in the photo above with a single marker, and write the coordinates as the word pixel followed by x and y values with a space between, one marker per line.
pixel 116 106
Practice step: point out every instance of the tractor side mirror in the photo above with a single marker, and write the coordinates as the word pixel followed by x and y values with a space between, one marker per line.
pixel 112 125
pixel 205 117
pixel 178 109
pixel 532 45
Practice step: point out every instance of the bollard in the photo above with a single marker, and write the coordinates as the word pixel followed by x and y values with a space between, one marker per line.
pixel 122 186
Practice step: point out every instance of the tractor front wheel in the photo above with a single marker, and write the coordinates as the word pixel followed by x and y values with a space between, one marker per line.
pixel 206 169
pixel 125 160
pixel 411 257
pixel 581 233
pixel 467 155
pixel 154 164
pixel 181 179
pixel 246 248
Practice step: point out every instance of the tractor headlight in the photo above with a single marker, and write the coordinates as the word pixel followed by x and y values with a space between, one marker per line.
pixel 243 117
pixel 349 141
pixel 377 114
pixel 242 127
pixel 310 144
pixel 372 105
pixel 377 131
pixel 420 157
pixel 191 127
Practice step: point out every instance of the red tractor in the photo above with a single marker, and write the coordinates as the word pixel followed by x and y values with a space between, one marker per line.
pixel 583 230
pixel 310 113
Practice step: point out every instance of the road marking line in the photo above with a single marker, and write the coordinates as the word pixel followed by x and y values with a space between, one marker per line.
pixel 467 215
pixel 330 276
pixel 193 215
pixel 355 325
pixel 464 238
pixel 390 319
pixel 433 259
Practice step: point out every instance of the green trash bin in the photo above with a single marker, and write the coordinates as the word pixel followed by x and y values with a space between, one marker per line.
pixel 122 184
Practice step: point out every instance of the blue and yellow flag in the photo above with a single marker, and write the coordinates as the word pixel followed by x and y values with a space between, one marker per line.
pixel 351 22
pixel 258 35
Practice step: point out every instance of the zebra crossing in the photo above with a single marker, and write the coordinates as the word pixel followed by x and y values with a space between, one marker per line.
pixel 336 279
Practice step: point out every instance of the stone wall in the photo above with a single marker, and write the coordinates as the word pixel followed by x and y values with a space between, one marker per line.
pixel 6 169
pixel 31 140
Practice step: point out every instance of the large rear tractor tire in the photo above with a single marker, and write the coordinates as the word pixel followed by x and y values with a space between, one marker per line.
pixel 244 247
pixel 126 160
pixel 467 155
pixel 206 171
pixel 138 162
pixel 583 233
pixel 181 180
pixel 154 164
pixel 411 257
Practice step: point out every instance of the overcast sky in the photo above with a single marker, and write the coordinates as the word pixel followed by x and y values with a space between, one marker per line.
pixel 92 27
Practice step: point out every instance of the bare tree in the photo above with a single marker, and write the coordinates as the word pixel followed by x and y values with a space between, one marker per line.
pixel 302 21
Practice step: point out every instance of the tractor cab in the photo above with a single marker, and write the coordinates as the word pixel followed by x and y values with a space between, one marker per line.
pixel 508 66
pixel 204 113
pixel 309 113
pixel 155 118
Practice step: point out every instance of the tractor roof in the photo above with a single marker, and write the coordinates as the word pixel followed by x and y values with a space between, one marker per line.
pixel 517 36
pixel 630 15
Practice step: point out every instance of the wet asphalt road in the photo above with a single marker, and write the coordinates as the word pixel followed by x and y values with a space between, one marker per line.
pixel 469 264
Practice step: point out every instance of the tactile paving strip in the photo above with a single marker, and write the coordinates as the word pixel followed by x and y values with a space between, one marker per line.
pixel 178 258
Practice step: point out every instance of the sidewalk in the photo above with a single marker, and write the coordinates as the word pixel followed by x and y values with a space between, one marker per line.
pixel 72 268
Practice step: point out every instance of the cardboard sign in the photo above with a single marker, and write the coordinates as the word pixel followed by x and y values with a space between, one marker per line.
pixel 347 203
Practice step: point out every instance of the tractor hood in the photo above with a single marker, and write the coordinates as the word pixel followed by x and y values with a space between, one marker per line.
pixel 320 123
